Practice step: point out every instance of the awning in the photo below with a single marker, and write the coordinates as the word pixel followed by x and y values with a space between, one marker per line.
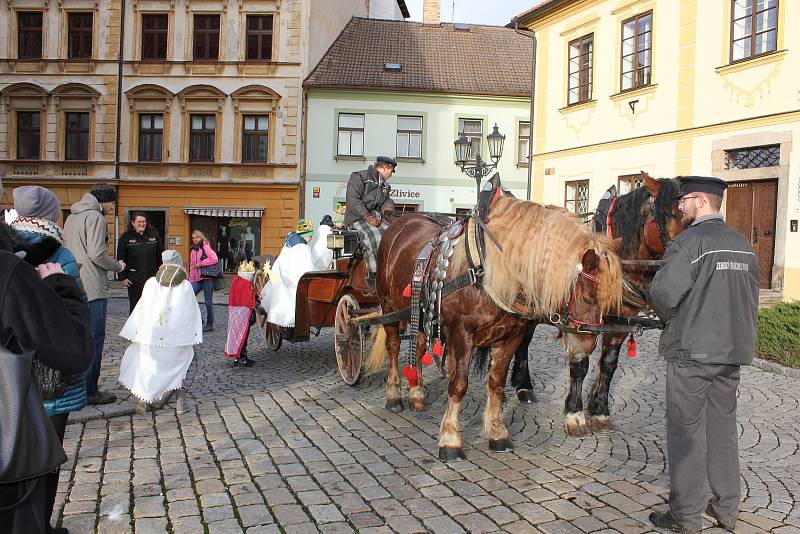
pixel 245 213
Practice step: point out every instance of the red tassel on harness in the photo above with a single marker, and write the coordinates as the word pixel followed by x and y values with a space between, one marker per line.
pixel 427 359
pixel 437 348
pixel 631 347
pixel 407 291
pixel 410 373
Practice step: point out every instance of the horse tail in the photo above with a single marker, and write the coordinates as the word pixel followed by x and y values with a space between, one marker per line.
pixel 378 354
pixel 480 361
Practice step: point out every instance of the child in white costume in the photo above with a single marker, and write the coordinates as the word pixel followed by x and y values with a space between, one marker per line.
pixel 164 327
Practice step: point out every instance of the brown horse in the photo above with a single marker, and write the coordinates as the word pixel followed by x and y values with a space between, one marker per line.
pixel 646 219
pixel 549 264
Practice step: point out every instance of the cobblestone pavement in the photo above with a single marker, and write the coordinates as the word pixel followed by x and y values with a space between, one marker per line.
pixel 285 446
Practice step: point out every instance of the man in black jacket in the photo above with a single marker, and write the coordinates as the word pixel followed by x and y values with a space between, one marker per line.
pixel 707 291
pixel 367 198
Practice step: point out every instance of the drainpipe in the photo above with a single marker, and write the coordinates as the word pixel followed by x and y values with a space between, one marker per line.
pixel 118 142
pixel 303 155
pixel 531 35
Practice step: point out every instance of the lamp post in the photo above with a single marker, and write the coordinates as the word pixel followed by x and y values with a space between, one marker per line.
pixel 480 169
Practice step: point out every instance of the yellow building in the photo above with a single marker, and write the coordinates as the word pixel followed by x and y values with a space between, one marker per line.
pixel 675 87
pixel 209 120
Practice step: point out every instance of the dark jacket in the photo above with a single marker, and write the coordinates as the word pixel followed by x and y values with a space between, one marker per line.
pixel 707 291
pixel 49 316
pixel 40 249
pixel 366 193
pixel 141 254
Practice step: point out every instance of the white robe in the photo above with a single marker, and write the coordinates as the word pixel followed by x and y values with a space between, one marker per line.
pixel 278 298
pixel 321 255
pixel 163 327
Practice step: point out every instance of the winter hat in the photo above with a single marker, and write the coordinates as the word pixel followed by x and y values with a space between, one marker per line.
pixel 171 257
pixel 327 220
pixel 103 193
pixel 36 201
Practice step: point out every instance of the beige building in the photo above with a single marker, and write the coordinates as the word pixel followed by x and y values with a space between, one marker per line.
pixel 675 87
pixel 210 116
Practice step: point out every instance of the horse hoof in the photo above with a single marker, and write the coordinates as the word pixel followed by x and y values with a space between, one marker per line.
pixel 526 396
pixel 416 399
pixel 500 445
pixel 394 405
pixel 601 423
pixel 575 425
pixel 451 454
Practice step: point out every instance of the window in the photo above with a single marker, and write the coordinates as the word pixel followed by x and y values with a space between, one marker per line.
pixel 79 38
pixel 755 28
pixel 754 157
pixel 29 36
pixel 637 51
pixel 472 129
pixel 259 37
pixel 77 138
pixel 255 133
pixel 28 134
pixel 580 69
pixel 524 137
pixel 576 197
pixel 629 182
pixel 351 135
pixel 201 139
pixel 206 37
pixel 151 135
pixel 154 37
pixel 409 137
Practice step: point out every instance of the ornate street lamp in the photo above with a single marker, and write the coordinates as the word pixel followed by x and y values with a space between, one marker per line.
pixel 481 169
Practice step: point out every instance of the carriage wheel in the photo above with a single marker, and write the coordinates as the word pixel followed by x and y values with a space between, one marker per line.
pixel 274 336
pixel 349 340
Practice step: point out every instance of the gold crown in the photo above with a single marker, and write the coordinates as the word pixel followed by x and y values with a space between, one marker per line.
pixel 247 267
pixel 304 225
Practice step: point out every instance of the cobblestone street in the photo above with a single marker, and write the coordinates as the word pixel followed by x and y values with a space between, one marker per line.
pixel 285 446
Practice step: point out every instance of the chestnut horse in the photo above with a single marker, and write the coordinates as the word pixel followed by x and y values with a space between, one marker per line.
pixel 547 263
pixel 646 219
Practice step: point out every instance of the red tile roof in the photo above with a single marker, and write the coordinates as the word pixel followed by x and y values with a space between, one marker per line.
pixel 437 58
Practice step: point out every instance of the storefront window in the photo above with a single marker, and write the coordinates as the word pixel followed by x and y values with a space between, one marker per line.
pixel 234 239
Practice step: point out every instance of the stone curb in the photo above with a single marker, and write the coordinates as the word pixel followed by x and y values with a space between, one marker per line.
pixel 773 367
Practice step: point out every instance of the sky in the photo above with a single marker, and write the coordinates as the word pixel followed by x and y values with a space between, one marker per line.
pixel 496 12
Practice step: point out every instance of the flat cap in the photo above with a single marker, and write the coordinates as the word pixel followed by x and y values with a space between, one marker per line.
pixel 702 184
pixel 387 160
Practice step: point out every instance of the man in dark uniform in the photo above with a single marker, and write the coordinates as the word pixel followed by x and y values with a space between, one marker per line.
pixel 707 291
pixel 367 198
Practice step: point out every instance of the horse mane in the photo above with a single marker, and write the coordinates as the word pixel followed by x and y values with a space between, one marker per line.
pixel 541 258
pixel 628 218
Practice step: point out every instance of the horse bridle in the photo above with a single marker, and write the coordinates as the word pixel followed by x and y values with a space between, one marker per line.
pixel 562 320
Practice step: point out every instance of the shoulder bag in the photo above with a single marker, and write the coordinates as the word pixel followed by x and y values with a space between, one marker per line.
pixel 209 271
pixel 29 446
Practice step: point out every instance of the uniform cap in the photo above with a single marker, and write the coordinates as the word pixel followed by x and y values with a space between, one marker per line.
pixel 387 160
pixel 702 184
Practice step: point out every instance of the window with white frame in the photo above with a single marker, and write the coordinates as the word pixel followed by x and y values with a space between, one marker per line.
pixel 409 137
pixel 524 142
pixel 576 196
pixel 472 129
pixel 351 134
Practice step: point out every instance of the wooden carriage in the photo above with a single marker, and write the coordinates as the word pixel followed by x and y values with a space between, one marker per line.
pixel 330 298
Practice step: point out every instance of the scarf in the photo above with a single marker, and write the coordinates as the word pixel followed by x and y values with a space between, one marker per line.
pixel 36 225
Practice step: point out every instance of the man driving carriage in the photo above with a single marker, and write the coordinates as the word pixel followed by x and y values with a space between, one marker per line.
pixel 367 202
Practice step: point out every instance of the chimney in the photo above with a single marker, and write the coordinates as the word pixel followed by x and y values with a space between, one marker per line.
pixel 431 11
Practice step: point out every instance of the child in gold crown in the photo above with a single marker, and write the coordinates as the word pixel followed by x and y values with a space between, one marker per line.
pixel 241 304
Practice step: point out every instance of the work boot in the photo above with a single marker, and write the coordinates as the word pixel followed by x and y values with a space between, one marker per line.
pixel 721 524
pixel 667 522
pixel 101 397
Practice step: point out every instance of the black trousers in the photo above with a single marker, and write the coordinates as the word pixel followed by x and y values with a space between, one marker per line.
pixel 51 480
pixel 135 293
pixel 27 517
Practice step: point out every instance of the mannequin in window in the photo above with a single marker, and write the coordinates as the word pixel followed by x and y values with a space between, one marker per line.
pixel 249 243
pixel 224 247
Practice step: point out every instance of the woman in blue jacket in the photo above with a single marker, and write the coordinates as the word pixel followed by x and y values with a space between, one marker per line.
pixel 36 224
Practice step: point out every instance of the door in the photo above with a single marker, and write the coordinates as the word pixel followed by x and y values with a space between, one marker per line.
pixel 751 209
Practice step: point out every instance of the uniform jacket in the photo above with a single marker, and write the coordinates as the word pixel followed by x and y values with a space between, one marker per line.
pixel 86 234
pixel 707 291
pixel 40 249
pixel 141 254
pixel 366 193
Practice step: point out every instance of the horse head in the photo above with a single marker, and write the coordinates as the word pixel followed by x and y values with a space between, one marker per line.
pixel 663 218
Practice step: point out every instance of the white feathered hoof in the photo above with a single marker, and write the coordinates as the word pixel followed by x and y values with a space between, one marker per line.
pixel 575 425
pixel 601 423
pixel 416 399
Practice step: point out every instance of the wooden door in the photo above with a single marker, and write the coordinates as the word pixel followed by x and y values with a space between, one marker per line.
pixel 751 208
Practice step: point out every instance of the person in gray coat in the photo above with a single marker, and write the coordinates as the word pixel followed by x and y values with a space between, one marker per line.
pixel 86 234
pixel 367 197
pixel 707 292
